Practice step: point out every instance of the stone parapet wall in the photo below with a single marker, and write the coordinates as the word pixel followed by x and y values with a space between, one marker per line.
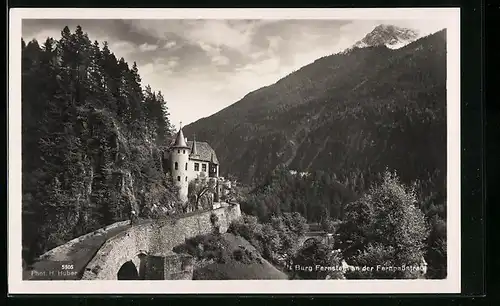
pixel 62 250
pixel 154 239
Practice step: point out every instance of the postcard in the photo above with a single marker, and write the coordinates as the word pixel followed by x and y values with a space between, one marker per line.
pixel 170 151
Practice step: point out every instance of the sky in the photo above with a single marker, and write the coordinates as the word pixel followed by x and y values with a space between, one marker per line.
pixel 204 65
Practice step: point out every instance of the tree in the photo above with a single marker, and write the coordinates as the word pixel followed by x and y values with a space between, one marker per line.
pixel 354 231
pixel 165 128
pixel 296 223
pixel 315 261
pixel 201 192
pixel 328 225
pixel 290 227
pixel 236 193
pixel 436 253
pixel 386 227
pixel 270 242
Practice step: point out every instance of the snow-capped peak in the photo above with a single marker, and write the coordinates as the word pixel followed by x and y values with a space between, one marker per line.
pixel 391 36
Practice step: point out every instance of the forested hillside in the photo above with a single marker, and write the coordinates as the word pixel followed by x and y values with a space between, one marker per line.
pixel 91 141
pixel 315 196
pixel 355 112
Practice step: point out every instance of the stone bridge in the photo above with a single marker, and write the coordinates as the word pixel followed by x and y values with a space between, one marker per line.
pixel 123 251
pixel 320 236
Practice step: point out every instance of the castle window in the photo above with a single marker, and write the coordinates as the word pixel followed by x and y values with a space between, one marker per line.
pixel 186 179
pixel 204 167
pixel 196 167
pixel 183 151
pixel 186 166
pixel 179 178
pixel 176 166
pixel 178 151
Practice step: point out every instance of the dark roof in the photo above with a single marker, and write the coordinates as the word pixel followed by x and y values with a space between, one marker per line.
pixel 205 152
pixel 180 141
pixel 194 150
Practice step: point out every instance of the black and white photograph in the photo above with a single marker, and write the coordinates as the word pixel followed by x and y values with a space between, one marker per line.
pixel 284 146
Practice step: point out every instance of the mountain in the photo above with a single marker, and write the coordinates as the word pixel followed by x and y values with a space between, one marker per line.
pixel 391 36
pixel 351 114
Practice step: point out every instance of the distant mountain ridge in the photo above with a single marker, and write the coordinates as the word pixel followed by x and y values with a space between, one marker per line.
pixel 391 36
pixel 355 112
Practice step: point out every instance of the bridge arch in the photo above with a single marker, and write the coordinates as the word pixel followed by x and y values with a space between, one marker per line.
pixel 128 271
pixel 322 237
pixel 310 240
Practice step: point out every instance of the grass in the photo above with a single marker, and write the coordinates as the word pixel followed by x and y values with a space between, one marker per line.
pixel 228 257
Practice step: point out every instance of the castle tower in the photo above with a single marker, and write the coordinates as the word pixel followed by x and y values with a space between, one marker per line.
pixel 179 157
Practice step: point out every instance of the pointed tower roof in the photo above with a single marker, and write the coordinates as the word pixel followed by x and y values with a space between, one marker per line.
pixel 180 141
pixel 194 151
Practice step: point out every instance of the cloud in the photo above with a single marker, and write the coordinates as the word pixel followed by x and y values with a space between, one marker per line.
pixel 210 49
pixel 148 47
pixel 220 60
pixel 42 35
pixel 257 55
pixel 263 67
pixel 169 44
pixel 219 87
pixel 121 48
pixel 146 70
pixel 274 43
pixel 157 69
pixel 219 33
pixel 222 33
pixel 214 53
pixel 171 63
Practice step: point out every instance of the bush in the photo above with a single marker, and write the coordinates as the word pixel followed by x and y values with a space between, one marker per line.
pixel 208 247
pixel 275 240
pixel 247 227
pixel 214 220
pixel 238 254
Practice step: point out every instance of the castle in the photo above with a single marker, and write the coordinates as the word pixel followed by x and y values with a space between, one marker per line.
pixel 191 160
